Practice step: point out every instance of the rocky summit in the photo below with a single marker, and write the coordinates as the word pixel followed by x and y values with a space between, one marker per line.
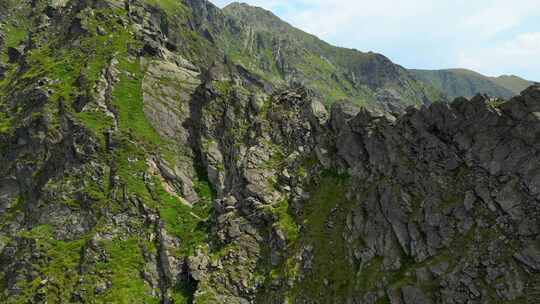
pixel 163 151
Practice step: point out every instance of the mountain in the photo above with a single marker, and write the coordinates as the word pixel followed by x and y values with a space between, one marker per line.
pixel 512 83
pixel 460 82
pixel 273 48
pixel 141 162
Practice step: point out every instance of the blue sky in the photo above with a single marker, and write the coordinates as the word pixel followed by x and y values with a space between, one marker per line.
pixel 493 37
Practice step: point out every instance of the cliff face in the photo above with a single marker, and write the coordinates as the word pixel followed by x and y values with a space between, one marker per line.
pixel 139 164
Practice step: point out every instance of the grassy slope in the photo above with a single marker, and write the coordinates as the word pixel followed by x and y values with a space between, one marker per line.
pixel 461 82
pixel 511 82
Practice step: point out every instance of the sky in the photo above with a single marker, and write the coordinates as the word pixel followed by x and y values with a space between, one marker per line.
pixel 493 37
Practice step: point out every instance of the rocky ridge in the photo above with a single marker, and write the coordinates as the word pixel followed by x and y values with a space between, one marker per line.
pixel 137 170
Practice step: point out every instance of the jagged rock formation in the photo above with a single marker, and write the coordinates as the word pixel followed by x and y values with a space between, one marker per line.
pixel 440 206
pixel 140 164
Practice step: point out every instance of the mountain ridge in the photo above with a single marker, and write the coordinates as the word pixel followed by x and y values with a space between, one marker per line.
pixel 275 47
pixel 512 82
pixel 139 163
pixel 452 82
pixel 467 83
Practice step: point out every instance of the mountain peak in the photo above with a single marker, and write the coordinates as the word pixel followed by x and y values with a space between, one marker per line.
pixel 245 6
pixel 274 48
pixel 239 5
pixel 255 16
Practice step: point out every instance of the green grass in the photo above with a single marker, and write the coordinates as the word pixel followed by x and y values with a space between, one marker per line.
pixel 329 250
pixel 204 189
pixel 169 6
pixel 511 82
pixel 14 35
pixel 383 300
pixel 5 123
pixel 321 71
pixel 63 66
pixel 131 164
pixel 124 265
pixel 128 99
pixel 286 221
pixel 330 253
pixel 58 271
pixel 187 223
pixel 96 121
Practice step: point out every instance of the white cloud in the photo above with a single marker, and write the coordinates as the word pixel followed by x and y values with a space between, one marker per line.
pixel 520 53
pixel 501 15
pixel 340 18
pixel 527 44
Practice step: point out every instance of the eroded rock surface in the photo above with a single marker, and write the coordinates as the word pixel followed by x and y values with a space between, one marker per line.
pixel 140 164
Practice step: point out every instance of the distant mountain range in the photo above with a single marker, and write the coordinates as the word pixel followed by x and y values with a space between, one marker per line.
pixel 461 82
pixel 279 52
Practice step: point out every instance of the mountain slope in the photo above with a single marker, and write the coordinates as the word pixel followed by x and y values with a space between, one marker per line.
pixel 512 83
pixel 138 164
pixel 460 82
pixel 283 53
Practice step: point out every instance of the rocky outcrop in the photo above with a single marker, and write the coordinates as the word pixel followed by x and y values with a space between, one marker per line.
pixel 437 179
pixel 417 187
pixel 139 164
